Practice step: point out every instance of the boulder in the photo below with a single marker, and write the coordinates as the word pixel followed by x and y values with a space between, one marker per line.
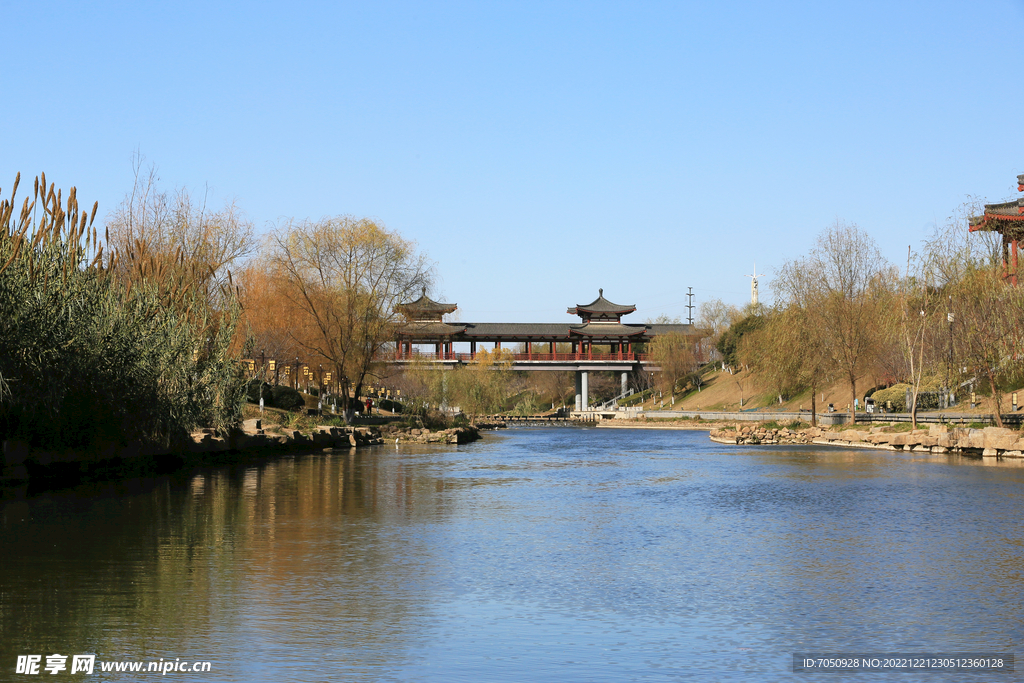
pixel 999 437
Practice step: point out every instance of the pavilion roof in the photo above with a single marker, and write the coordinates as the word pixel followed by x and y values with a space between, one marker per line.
pixel 998 216
pixel 602 305
pixel 425 305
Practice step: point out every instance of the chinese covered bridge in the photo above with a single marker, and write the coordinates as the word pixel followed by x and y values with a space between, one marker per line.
pixel 600 341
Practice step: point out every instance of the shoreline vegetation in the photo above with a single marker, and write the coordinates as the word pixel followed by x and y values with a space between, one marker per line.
pixel 123 347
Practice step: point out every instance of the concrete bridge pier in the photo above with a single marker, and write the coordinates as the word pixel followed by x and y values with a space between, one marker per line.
pixel 579 390
pixel 625 382
pixel 585 386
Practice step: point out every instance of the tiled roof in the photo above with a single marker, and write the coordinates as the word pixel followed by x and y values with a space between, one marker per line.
pixel 997 215
pixel 613 330
pixel 553 331
pixel 425 305
pixel 429 329
pixel 602 305
pixel 1006 218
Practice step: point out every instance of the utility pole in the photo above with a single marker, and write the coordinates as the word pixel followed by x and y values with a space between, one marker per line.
pixel 689 306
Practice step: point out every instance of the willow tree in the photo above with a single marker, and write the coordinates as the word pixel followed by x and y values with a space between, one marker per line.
pixel 841 286
pixel 788 353
pixel 482 387
pixel 986 335
pixel 343 278
pixel 674 353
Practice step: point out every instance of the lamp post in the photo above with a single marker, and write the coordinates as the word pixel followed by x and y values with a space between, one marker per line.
pixel 949 359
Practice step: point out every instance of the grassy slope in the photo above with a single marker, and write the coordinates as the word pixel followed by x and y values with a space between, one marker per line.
pixel 722 392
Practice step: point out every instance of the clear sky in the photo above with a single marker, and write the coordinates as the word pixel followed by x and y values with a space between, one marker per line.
pixel 536 150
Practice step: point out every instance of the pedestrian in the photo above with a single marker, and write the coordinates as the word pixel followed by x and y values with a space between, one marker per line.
pixel 369 405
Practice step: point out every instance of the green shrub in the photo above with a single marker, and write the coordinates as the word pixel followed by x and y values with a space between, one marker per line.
pixel 895 396
pixel 286 398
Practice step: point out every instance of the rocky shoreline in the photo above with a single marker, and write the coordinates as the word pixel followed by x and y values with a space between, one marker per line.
pixel 996 442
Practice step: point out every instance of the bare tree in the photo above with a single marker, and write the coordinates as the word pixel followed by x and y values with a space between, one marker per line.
pixel 344 277
pixel 177 231
pixel 950 251
pixel 986 333
pixel 839 286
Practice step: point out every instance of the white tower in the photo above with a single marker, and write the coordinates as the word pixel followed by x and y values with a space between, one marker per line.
pixel 753 285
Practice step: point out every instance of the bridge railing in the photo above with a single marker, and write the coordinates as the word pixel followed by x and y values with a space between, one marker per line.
pixel 393 356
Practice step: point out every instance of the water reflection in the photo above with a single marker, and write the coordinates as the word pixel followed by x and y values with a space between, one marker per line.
pixel 540 554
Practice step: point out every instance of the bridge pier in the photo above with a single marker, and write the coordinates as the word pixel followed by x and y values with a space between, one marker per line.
pixel 625 382
pixel 579 390
pixel 585 383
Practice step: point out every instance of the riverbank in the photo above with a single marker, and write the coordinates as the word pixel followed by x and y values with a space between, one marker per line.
pixel 997 442
pixel 20 464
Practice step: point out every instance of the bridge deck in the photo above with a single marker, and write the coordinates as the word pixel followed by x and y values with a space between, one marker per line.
pixel 519 357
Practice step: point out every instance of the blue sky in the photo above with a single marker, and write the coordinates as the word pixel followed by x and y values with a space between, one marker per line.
pixel 537 150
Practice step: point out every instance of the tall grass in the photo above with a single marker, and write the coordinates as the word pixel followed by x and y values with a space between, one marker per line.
pixel 105 347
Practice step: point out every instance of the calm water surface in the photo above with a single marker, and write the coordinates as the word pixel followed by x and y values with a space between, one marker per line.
pixel 533 555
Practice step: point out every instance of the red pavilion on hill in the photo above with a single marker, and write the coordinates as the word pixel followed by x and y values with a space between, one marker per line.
pixel 1006 218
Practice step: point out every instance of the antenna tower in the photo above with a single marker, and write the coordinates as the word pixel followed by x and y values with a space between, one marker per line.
pixel 689 306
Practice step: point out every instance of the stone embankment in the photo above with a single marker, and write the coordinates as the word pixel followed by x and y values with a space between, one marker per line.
pixel 987 442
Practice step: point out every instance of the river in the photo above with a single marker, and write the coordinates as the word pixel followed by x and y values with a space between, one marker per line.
pixel 549 554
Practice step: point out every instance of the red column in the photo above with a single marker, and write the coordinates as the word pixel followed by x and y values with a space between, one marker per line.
pixel 529 350
pixel 620 348
pixel 590 349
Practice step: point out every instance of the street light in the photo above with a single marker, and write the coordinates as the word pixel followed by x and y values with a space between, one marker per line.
pixel 949 360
